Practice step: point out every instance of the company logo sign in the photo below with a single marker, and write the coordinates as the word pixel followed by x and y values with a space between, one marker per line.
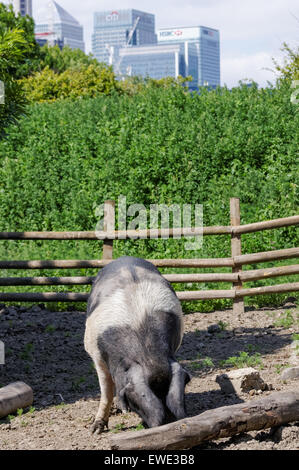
pixel 176 33
pixel 208 32
pixel 113 16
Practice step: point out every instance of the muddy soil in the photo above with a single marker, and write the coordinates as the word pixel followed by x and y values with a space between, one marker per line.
pixel 45 350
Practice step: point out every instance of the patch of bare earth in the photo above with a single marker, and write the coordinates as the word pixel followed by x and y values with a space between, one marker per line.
pixel 45 350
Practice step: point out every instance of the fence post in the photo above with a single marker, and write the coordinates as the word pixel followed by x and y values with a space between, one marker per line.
pixel 109 225
pixel 235 219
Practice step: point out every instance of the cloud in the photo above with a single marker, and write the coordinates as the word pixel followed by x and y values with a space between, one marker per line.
pixel 252 67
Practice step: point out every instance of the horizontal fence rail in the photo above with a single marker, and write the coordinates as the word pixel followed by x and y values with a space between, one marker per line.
pixel 252 275
pixel 253 258
pixel 151 233
pixel 237 277
pixel 182 295
pixel 160 263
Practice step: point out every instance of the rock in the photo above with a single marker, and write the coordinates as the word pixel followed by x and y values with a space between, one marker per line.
pixel 214 328
pixel 238 331
pixel 23 308
pixel 11 311
pixel 290 373
pixel 241 380
pixel 35 309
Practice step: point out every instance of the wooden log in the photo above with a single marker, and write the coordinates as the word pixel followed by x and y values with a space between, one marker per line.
pixel 117 234
pixel 276 409
pixel 53 264
pixel 205 294
pixel 71 235
pixel 83 296
pixel 235 219
pixel 266 225
pixel 193 263
pixel 72 264
pixel 208 277
pixel 84 280
pixel 46 281
pixel 273 255
pixel 148 233
pixel 256 274
pixel 277 289
pixel 245 276
pixel 182 295
pixel 14 396
pixel 44 296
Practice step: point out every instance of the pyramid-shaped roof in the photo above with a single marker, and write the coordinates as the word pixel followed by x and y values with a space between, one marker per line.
pixel 52 9
pixel 62 16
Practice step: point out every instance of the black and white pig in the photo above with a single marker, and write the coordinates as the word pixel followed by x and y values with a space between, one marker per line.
pixel 134 327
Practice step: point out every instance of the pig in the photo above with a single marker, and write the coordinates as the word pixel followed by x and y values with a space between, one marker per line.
pixel 134 327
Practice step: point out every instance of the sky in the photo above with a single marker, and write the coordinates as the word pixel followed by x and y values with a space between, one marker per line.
pixel 251 32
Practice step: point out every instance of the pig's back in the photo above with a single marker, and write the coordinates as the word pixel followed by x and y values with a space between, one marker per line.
pixel 127 292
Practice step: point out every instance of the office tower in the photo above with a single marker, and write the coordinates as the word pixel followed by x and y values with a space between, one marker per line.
pixel 121 28
pixel 158 61
pixel 23 6
pixel 56 26
pixel 205 46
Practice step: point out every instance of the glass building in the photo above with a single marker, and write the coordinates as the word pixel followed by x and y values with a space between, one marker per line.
pixel 159 61
pixel 56 24
pixel 114 29
pixel 205 57
pixel 23 6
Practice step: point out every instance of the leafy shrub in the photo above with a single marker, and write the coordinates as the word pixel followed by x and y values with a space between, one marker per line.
pixel 12 50
pixel 77 82
pixel 59 60
pixel 161 145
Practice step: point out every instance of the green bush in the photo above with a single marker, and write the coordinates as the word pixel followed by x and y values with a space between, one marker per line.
pixel 12 51
pixel 59 60
pixel 22 65
pixel 161 145
pixel 81 81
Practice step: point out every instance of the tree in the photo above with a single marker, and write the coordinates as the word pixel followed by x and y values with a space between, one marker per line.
pixel 13 47
pixel 75 82
pixel 60 60
pixel 9 21
pixel 290 68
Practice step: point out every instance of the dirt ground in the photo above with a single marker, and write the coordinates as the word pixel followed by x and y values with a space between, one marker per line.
pixel 45 350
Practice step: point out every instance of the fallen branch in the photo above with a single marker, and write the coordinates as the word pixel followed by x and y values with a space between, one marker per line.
pixel 274 410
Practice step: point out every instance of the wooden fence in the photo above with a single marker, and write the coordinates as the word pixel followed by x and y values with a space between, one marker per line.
pixel 237 277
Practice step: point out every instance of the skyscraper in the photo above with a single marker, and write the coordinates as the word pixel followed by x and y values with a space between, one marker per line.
pixel 159 61
pixel 126 39
pixel 56 25
pixel 119 28
pixel 23 6
pixel 205 45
